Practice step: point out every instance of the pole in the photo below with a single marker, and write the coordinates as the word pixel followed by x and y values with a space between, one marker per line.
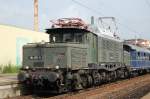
pixel 35 15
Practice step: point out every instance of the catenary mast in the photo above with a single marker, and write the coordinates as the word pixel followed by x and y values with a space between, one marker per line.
pixel 35 15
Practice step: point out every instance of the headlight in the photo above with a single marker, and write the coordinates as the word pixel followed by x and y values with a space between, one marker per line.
pixel 27 67
pixel 57 67
pixel 31 57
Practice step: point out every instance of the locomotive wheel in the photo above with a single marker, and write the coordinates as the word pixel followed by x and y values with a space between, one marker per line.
pixel 108 76
pixel 84 81
pixel 69 85
pixel 114 75
pixel 126 74
pixel 103 76
pixel 90 80
pixel 120 73
pixel 77 82
pixel 96 78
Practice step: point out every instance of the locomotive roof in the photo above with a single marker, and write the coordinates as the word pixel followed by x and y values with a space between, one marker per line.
pixel 138 49
pixel 108 37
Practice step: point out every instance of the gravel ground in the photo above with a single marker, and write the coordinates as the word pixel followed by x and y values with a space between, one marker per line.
pixel 147 96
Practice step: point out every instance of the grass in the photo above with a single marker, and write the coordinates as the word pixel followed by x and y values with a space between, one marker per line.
pixel 9 68
pixel 0 69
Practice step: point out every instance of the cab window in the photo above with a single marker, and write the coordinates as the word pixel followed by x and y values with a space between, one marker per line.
pixel 66 37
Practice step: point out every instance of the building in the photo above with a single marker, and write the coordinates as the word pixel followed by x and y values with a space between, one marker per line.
pixel 11 41
pixel 139 42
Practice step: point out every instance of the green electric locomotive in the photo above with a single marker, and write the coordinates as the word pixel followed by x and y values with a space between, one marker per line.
pixel 73 59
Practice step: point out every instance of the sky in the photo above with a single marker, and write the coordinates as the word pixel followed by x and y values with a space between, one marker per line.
pixel 132 16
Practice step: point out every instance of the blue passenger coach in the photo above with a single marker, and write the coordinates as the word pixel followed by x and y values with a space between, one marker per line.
pixel 139 57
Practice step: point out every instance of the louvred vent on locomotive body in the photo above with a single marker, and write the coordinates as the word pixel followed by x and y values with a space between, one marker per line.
pixel 69 23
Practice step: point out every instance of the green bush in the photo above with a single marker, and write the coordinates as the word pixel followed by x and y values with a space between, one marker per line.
pixel 0 69
pixel 10 68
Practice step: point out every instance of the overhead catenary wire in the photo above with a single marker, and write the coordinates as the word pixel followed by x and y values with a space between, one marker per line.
pixel 98 12
pixel 91 9
pixel 123 19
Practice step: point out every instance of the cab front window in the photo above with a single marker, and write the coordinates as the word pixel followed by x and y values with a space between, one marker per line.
pixel 66 37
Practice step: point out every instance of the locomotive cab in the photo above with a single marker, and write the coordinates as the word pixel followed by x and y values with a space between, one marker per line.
pixel 49 61
pixel 66 49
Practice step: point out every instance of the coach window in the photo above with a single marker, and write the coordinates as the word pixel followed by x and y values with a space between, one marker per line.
pixel 138 56
pixel 144 56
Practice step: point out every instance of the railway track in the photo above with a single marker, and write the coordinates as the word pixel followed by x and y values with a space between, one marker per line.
pixel 123 89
